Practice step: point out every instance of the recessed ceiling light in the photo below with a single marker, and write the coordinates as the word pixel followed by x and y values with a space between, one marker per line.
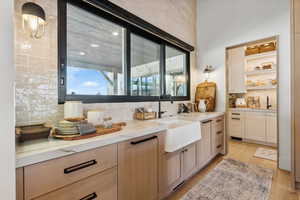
pixel 115 33
pixel 81 53
pixel 95 45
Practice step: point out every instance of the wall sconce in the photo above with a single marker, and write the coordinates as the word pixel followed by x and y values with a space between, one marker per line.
pixel 34 20
pixel 207 70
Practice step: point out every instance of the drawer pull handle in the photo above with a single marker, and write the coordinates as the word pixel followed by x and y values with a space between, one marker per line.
pixel 90 196
pixel 235 113
pixel 236 118
pixel 219 146
pixel 206 122
pixel 144 140
pixel 80 166
pixel 184 150
pixel 219 120
pixel 219 132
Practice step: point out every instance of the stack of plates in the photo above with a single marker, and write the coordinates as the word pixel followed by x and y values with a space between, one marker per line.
pixel 68 128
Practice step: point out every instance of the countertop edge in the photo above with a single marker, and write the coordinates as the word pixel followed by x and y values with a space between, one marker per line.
pixel 35 157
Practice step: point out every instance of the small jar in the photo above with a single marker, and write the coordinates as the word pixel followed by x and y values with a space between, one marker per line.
pixel 107 122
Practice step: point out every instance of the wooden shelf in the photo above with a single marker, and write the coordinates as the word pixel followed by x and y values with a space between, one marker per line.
pixel 259 72
pixel 262 87
pixel 261 55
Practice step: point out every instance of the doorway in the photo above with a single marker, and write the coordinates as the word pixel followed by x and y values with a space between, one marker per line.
pixel 252 96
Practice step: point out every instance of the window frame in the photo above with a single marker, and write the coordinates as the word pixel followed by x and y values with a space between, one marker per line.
pixel 129 29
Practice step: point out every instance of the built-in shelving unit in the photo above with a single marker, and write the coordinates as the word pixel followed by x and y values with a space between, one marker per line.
pixel 261 55
pixel 268 87
pixel 259 72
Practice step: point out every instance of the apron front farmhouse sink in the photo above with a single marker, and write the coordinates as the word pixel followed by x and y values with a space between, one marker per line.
pixel 180 133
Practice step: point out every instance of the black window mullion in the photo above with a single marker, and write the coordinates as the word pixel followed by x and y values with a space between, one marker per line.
pixel 128 61
pixel 62 50
pixel 162 69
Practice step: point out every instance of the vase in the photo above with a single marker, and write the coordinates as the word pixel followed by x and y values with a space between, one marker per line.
pixel 202 106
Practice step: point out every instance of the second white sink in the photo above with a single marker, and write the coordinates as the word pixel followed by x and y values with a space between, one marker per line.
pixel 180 133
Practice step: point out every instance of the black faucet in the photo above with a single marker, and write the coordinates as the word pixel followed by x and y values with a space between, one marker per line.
pixel 268 103
pixel 163 97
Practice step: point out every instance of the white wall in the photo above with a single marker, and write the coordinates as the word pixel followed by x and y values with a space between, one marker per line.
pixel 7 139
pixel 224 23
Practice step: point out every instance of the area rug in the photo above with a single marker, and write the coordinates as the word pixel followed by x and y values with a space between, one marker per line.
pixel 233 180
pixel 270 154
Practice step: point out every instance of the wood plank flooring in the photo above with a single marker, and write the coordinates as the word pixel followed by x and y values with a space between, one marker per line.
pixel 281 185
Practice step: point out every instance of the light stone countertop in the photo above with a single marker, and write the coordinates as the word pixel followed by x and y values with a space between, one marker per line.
pixel 252 110
pixel 36 151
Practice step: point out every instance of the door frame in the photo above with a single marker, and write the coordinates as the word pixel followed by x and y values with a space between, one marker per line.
pixel 276 38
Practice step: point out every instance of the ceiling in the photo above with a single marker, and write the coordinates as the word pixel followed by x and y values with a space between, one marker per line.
pixel 93 42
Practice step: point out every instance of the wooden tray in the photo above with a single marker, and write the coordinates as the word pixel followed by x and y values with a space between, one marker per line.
pixel 100 131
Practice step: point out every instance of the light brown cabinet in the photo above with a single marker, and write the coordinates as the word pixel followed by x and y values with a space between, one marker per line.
pixel 204 145
pixel 132 170
pixel 51 175
pixel 170 172
pixel 102 186
pixel 189 163
pixel 176 167
pixel 217 143
pixel 138 168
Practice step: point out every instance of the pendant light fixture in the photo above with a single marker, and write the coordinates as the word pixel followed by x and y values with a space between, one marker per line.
pixel 34 20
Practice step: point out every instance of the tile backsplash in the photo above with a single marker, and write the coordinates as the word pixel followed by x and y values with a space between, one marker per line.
pixel 36 74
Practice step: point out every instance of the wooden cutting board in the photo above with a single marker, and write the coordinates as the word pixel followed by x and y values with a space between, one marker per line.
pixel 99 131
pixel 206 91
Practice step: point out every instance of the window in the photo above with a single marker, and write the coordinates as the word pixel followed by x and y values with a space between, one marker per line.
pixel 95 63
pixel 176 72
pixel 106 59
pixel 145 67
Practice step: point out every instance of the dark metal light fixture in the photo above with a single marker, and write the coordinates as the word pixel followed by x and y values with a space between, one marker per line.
pixel 34 20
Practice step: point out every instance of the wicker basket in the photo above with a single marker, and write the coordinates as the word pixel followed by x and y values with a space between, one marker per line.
pixel 144 115
pixel 271 46
pixel 252 50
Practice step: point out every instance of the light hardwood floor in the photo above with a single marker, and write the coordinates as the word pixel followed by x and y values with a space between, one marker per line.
pixel 281 185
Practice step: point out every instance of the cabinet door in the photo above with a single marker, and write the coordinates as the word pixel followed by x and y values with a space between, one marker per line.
pixel 236 70
pixel 271 128
pixel 255 126
pixel 189 161
pixel 204 145
pixel 171 172
pixel 138 169
pixel 236 127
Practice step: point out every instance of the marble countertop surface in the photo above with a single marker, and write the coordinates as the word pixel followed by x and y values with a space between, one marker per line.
pixel 253 110
pixel 36 151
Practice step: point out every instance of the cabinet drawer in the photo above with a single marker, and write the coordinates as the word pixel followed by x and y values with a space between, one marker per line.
pixel 51 175
pixel 219 124
pixel 100 186
pixel 219 137
pixel 219 141
pixel 235 126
